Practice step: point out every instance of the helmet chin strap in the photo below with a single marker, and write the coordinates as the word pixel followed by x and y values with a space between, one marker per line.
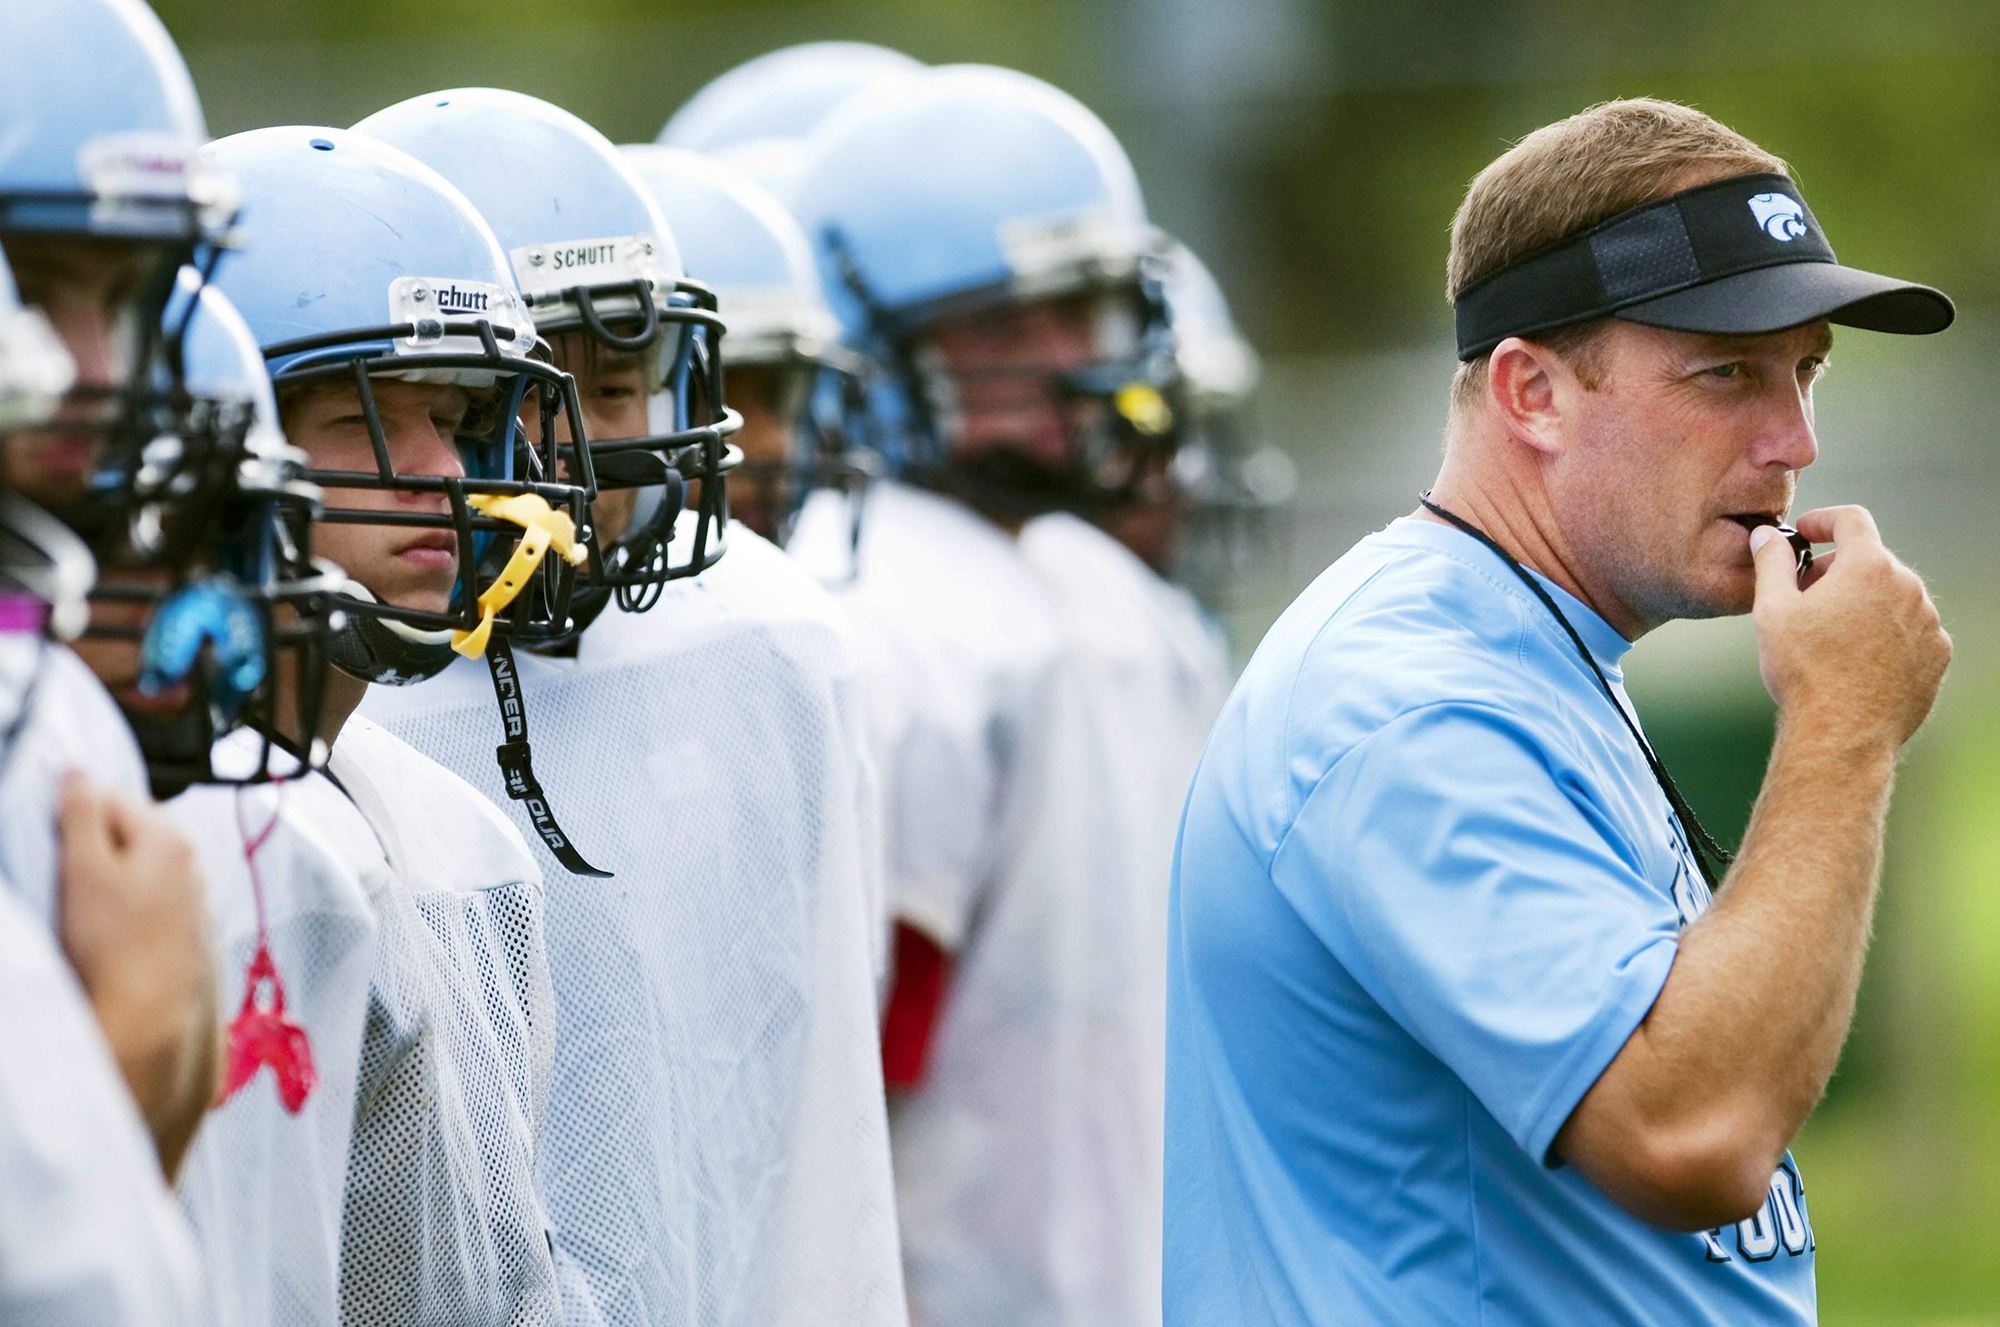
pixel 383 651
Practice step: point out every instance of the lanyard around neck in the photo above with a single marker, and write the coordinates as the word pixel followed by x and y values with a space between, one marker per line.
pixel 1708 853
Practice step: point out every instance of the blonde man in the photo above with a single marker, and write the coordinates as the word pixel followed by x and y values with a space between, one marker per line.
pixel 1454 1032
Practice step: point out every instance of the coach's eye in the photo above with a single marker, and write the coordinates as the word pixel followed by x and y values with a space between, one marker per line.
pixel 1729 370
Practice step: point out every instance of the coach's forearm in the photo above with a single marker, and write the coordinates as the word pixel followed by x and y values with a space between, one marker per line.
pixel 1763 990
pixel 1687 1124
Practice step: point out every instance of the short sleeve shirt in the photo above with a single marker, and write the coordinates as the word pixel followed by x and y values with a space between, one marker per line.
pixel 1425 890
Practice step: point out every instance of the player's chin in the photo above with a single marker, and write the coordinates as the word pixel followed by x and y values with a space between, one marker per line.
pixel 423 593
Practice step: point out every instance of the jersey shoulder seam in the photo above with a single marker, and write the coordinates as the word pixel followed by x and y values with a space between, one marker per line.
pixel 1291 819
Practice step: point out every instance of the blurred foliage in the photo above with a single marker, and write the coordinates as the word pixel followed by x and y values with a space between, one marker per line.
pixel 1314 151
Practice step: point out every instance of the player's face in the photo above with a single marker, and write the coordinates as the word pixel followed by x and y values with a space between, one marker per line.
pixel 1685 433
pixel 613 387
pixel 1001 362
pixel 769 397
pixel 408 566
pixel 90 291
pixel 1149 524
pixel 112 647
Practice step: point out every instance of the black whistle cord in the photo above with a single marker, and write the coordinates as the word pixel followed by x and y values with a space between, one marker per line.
pixel 1708 853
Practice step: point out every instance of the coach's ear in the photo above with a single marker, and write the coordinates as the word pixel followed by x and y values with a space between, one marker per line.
pixel 1528 387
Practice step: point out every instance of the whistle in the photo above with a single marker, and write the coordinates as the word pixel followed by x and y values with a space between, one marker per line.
pixel 1801 547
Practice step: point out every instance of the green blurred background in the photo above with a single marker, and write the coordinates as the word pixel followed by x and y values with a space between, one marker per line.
pixel 1313 151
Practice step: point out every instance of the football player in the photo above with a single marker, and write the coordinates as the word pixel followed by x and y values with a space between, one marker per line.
pixel 789 376
pixel 89 1233
pixel 983 238
pixel 1159 668
pixel 294 920
pixel 403 358
pixel 796 386
pixel 717 1142
pixel 98 207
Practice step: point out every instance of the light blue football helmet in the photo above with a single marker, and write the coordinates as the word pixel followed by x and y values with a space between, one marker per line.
pixel 969 189
pixel 1233 489
pixel 219 630
pixel 360 263
pixel 103 128
pixel 783 338
pixel 781 94
pixel 774 164
pixel 101 132
pixel 593 255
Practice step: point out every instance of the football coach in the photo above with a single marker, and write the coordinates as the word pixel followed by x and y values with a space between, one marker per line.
pixel 1458 1033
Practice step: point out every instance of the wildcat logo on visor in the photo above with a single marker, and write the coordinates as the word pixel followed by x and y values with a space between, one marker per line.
pixel 1780 216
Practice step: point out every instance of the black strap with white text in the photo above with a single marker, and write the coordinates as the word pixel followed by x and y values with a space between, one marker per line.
pixel 1708 853
pixel 516 763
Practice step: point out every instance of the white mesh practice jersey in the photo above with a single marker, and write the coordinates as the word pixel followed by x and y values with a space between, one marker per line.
pixel 1027 1166
pixel 1157 677
pixel 442 1222
pixel 89 1234
pixel 964 640
pixel 717 1150
pixel 1159 673
pixel 262 1186
pixel 54 717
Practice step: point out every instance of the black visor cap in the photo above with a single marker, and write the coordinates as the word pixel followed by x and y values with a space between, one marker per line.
pixel 1735 257
pixel 1770 299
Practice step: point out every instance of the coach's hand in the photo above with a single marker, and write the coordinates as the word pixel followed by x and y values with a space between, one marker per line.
pixel 133 920
pixel 1860 647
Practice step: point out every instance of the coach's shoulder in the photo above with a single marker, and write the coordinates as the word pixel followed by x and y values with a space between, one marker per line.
pixel 1394 627
pixel 1389 630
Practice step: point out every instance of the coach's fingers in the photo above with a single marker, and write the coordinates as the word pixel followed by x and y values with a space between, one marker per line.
pixel 1777 567
pixel 1848 525
pixel 1822 563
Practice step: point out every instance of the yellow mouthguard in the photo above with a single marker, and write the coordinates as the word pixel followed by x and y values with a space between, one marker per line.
pixel 1141 405
pixel 542 528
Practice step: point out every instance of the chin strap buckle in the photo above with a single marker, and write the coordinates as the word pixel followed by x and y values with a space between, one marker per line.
pixel 542 528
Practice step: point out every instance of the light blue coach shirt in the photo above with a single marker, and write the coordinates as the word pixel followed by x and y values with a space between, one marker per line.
pixel 1426 887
